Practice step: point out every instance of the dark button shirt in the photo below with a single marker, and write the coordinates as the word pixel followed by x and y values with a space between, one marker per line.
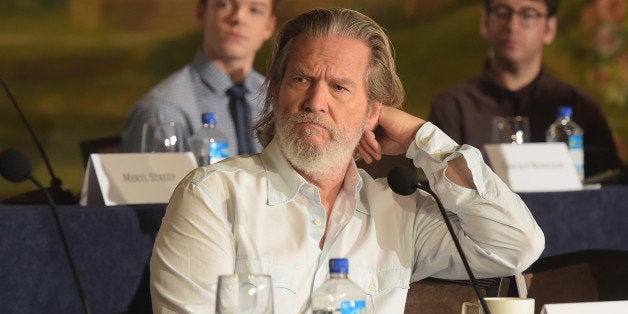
pixel 465 112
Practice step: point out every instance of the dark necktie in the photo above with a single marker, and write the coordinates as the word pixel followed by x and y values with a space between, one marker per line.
pixel 241 118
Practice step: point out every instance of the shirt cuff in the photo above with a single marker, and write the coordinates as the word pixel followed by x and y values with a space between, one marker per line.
pixel 432 148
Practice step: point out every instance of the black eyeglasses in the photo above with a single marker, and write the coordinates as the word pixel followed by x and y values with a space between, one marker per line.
pixel 527 16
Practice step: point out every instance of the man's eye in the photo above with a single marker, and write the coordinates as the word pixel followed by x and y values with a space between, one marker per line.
pixel 530 14
pixel 503 12
pixel 220 4
pixel 339 88
pixel 257 10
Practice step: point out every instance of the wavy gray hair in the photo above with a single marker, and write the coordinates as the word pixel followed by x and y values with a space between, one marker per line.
pixel 383 83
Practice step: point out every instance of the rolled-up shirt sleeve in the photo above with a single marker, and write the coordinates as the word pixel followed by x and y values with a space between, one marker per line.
pixel 496 230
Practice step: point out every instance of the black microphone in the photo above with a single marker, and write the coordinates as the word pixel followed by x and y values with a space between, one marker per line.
pixel 16 167
pixel 404 181
pixel 59 193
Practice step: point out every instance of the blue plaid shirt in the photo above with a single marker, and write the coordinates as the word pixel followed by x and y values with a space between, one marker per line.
pixel 182 97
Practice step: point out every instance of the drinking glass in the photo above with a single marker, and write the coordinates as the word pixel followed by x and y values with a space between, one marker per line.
pixel 161 137
pixel 244 293
pixel 510 129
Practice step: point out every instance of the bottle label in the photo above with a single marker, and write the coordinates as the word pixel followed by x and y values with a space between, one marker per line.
pixel 576 141
pixel 353 307
pixel 218 151
pixel 576 151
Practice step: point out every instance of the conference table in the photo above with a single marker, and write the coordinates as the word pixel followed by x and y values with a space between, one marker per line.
pixel 112 246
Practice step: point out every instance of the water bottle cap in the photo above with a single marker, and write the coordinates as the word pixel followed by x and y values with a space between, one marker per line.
pixel 208 118
pixel 564 112
pixel 338 265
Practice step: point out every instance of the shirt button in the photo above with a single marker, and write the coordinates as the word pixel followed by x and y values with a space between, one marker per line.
pixel 317 222
pixel 310 190
pixel 438 154
pixel 423 141
pixel 372 288
pixel 449 186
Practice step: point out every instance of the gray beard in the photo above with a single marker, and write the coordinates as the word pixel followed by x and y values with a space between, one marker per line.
pixel 315 161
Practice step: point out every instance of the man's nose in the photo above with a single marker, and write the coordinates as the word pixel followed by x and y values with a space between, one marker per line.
pixel 238 13
pixel 318 98
pixel 514 21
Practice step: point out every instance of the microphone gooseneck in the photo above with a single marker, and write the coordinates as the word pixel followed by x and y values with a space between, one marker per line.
pixel 16 167
pixel 61 194
pixel 404 181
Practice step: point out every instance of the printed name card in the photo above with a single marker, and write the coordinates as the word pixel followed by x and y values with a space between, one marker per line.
pixel 606 307
pixel 534 167
pixel 136 178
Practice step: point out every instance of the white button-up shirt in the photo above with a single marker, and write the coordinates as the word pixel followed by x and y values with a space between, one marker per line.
pixel 256 214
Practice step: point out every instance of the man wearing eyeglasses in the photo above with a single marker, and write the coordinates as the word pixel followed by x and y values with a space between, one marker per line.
pixel 514 82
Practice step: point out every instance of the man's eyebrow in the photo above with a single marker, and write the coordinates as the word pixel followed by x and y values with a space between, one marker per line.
pixel 300 71
pixel 259 3
pixel 344 81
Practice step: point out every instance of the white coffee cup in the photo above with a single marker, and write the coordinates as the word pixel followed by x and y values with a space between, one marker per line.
pixel 503 305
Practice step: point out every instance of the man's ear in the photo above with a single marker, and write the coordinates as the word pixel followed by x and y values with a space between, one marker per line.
pixel 375 110
pixel 483 24
pixel 200 12
pixel 270 27
pixel 550 30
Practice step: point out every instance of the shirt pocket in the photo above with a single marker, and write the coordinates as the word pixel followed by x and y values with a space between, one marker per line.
pixel 281 274
pixel 380 281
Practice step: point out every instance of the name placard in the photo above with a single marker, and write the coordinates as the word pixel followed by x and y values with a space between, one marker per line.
pixel 134 178
pixel 606 307
pixel 534 167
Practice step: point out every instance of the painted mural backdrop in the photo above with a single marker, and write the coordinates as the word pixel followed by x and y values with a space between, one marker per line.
pixel 76 67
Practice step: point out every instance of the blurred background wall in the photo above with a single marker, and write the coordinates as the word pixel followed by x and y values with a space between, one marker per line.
pixel 77 66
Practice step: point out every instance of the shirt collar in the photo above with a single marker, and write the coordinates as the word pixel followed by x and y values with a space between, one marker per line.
pixel 488 79
pixel 506 96
pixel 214 78
pixel 284 183
pixel 353 181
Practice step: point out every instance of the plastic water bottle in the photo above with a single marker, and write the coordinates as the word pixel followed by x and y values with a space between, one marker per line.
pixel 339 294
pixel 566 130
pixel 208 144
